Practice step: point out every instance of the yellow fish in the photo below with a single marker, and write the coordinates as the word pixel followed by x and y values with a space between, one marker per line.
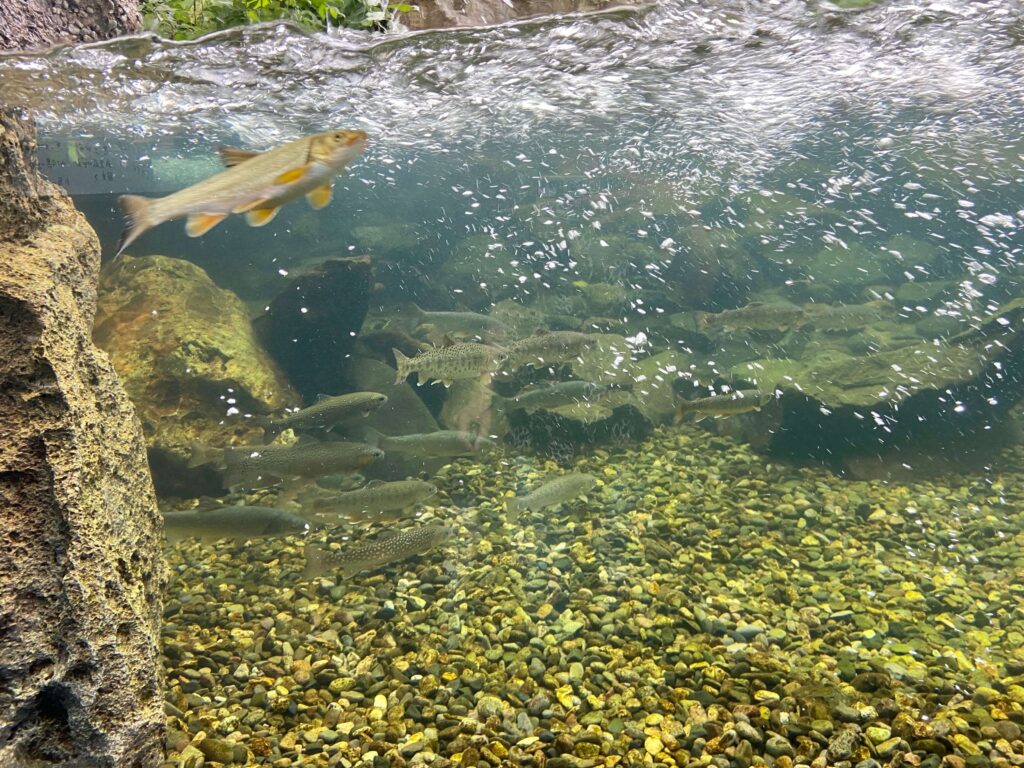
pixel 255 183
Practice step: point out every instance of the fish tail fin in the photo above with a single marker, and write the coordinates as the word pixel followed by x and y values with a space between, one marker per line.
pixel 401 365
pixel 682 408
pixel 138 218
pixel 270 430
pixel 316 562
pixel 372 437
pixel 514 508
pixel 234 476
pixel 203 454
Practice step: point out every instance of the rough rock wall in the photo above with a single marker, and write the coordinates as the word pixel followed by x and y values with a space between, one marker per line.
pixel 29 24
pixel 81 569
pixel 441 14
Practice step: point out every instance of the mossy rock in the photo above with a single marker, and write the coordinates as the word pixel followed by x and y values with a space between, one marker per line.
pixel 186 353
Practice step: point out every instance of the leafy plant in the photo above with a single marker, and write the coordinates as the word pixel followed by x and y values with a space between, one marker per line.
pixel 184 19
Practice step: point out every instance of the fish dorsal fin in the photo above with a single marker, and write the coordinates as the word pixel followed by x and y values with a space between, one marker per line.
pixel 320 396
pixel 373 484
pixel 541 332
pixel 447 341
pixel 232 156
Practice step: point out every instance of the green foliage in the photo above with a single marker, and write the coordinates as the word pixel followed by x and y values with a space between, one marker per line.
pixel 184 19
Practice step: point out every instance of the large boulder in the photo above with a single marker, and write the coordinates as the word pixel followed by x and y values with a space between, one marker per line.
pixel 190 360
pixel 310 328
pixel 31 24
pixel 82 571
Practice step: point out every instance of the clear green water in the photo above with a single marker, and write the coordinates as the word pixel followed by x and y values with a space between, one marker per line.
pixel 830 579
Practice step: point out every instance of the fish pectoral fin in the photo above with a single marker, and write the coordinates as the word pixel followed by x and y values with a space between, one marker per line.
pixel 232 156
pixel 257 217
pixel 201 223
pixel 293 175
pixel 321 196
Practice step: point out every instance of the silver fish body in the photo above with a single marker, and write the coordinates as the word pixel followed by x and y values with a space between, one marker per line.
pixel 367 503
pixel 555 491
pixel 444 443
pixel 232 523
pixel 256 184
pixel 326 413
pixel 391 547
pixel 729 404
pixel 544 349
pixel 256 466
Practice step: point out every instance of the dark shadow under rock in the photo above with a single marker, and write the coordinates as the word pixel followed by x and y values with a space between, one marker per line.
pixel 310 329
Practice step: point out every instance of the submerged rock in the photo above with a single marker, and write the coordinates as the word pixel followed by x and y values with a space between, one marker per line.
pixel 833 404
pixel 187 355
pixel 310 328
pixel 82 575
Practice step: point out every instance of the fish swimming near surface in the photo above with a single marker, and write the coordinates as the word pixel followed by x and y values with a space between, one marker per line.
pixel 389 547
pixel 444 443
pixel 450 363
pixel 756 316
pixel 373 501
pixel 326 413
pixel 546 348
pixel 729 404
pixel 255 183
pixel 558 490
pixel 257 466
pixel 232 523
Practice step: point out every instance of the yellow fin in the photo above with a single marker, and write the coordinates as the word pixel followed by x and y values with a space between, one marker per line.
pixel 257 217
pixel 246 207
pixel 320 196
pixel 201 223
pixel 293 175
pixel 232 156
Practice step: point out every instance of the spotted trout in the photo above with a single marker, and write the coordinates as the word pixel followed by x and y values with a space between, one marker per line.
pixel 232 523
pixel 389 547
pixel 729 404
pixel 255 183
pixel 555 491
pixel 548 348
pixel 450 363
pixel 326 413
pixel 262 465
pixel 373 501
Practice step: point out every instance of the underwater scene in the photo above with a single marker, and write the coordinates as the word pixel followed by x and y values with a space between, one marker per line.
pixel 629 388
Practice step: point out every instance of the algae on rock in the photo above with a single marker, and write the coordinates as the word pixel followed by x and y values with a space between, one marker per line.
pixel 187 355
pixel 82 573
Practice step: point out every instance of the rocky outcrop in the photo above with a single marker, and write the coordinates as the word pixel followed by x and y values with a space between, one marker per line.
pixel 832 404
pixel 33 24
pixel 189 358
pixel 81 569
pixel 441 14
pixel 310 328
